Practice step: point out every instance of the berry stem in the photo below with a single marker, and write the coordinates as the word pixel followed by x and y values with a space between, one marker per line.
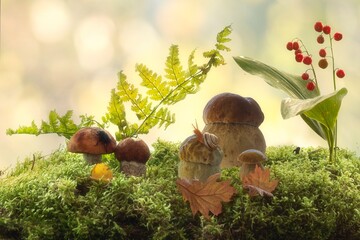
pixel 312 66
pixel 334 147
pixel 333 62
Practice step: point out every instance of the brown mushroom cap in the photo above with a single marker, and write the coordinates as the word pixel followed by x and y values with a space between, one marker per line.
pixel 92 140
pixel 132 150
pixel 251 156
pixel 233 108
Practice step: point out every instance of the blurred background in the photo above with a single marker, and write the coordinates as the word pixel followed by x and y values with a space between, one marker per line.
pixel 60 54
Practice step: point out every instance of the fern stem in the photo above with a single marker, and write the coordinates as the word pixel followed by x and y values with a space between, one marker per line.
pixel 199 73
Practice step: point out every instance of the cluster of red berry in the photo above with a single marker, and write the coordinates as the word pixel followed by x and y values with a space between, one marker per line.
pixel 302 55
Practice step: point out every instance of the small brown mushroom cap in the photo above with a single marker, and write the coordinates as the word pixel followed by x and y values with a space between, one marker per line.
pixel 233 108
pixel 132 150
pixel 251 156
pixel 92 140
pixel 132 153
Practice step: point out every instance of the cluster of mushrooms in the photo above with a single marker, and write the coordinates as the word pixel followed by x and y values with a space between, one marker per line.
pixel 92 142
pixel 231 137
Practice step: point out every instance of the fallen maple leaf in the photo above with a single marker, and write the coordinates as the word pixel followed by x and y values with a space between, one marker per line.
pixel 206 196
pixel 258 182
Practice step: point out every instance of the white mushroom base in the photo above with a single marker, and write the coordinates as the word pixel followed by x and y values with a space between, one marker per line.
pixel 198 171
pixel 234 138
pixel 133 168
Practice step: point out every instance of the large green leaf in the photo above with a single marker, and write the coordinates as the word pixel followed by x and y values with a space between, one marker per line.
pixel 292 85
pixel 323 109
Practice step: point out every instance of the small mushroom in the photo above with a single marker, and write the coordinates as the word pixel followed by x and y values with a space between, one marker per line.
pixel 248 159
pixel 200 157
pixel 235 120
pixel 133 153
pixel 92 142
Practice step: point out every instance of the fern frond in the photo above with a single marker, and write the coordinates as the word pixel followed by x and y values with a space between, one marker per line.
pixel 32 129
pixel 165 117
pixel 60 125
pixel 222 37
pixel 192 67
pixel 116 111
pixel 174 86
pixel 157 89
pixel 173 69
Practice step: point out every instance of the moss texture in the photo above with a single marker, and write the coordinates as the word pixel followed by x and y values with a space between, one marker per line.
pixel 56 199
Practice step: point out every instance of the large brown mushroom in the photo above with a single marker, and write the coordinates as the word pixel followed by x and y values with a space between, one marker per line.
pixel 92 142
pixel 133 153
pixel 199 158
pixel 235 120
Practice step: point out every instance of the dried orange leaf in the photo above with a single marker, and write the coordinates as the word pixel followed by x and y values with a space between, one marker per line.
pixel 205 197
pixel 101 172
pixel 258 182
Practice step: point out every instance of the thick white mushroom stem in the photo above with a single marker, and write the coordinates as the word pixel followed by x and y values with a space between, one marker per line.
pixel 248 168
pixel 234 138
pixel 131 168
pixel 92 158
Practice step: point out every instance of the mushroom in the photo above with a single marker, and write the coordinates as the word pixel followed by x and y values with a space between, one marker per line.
pixel 248 159
pixel 235 120
pixel 200 157
pixel 133 153
pixel 92 142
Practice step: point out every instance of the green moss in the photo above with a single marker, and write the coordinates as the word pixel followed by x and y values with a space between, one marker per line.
pixel 57 200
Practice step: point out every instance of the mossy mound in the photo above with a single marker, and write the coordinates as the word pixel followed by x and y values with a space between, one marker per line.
pixel 56 199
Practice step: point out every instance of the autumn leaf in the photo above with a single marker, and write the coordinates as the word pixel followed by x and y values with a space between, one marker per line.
pixel 258 182
pixel 205 197
pixel 101 172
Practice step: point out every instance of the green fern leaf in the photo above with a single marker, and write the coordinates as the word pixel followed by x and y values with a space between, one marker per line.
pixel 32 129
pixel 174 87
pixel 165 117
pixel 157 89
pixel 222 37
pixel 173 69
pixel 192 67
pixel 60 125
pixel 116 111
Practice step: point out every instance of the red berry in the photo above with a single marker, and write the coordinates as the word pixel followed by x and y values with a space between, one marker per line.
pixel 326 29
pixel 295 45
pixel 320 39
pixel 289 46
pixel 299 57
pixel 322 53
pixel 340 73
pixel 338 36
pixel 307 60
pixel 305 76
pixel 310 85
pixel 323 63
pixel 318 26
pixel 298 51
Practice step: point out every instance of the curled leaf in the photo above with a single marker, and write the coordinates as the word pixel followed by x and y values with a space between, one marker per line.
pixel 205 197
pixel 101 172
